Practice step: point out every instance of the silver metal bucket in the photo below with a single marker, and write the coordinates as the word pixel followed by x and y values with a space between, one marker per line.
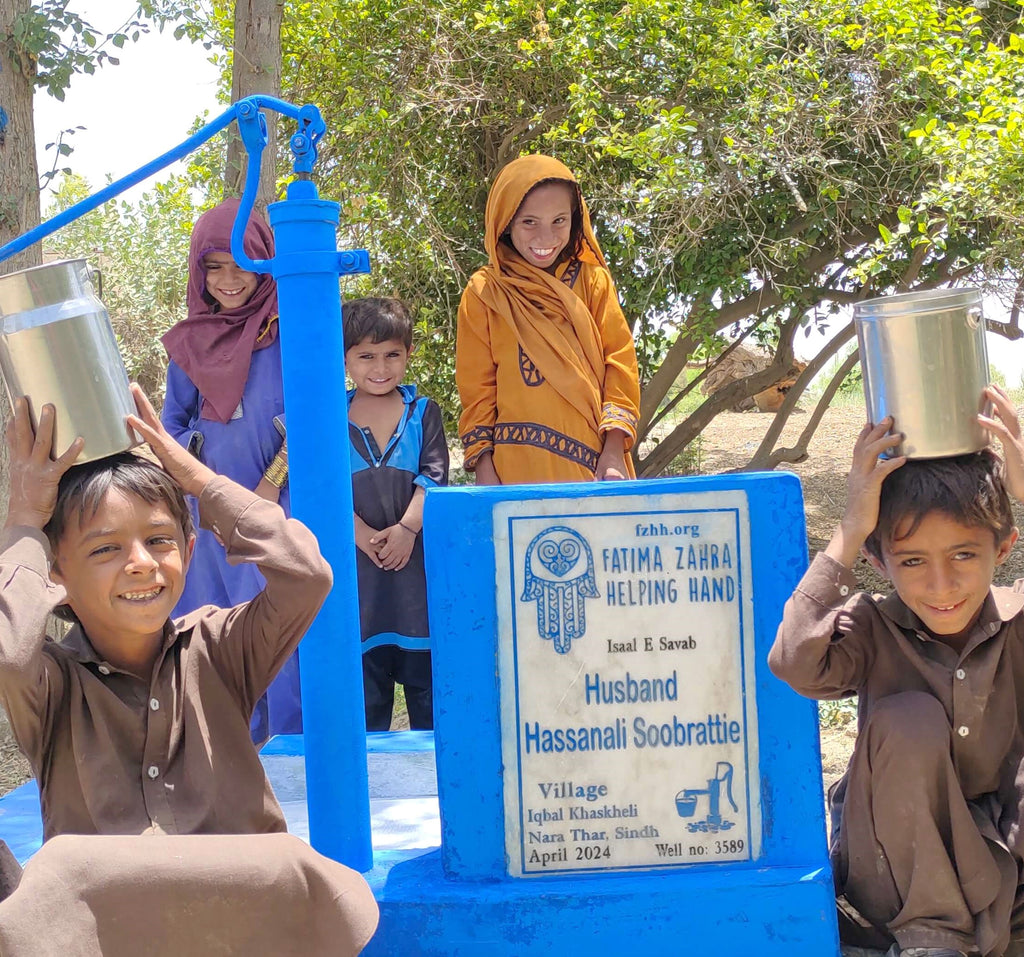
pixel 57 345
pixel 925 363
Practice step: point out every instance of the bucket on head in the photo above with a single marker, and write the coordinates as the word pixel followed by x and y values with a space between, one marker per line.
pixel 925 363
pixel 57 346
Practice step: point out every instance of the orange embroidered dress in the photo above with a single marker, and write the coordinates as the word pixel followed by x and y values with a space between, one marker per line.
pixel 545 364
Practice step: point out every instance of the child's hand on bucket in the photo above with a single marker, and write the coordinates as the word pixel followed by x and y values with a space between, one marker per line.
pixel 863 489
pixel 34 476
pixel 180 464
pixel 1005 425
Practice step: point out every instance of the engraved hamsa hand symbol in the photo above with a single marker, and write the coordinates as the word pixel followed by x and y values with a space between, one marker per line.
pixel 559 575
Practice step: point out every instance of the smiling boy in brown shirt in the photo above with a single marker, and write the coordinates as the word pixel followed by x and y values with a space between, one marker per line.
pixel 139 725
pixel 926 842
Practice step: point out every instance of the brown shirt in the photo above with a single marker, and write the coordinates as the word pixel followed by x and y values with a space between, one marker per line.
pixel 117 755
pixel 835 641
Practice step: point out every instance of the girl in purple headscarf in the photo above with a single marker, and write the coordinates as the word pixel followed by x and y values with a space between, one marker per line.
pixel 225 403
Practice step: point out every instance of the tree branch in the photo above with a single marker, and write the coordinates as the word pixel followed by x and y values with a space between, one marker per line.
pixel 709 367
pixel 1011 328
pixel 762 459
pixel 659 458
pixel 769 296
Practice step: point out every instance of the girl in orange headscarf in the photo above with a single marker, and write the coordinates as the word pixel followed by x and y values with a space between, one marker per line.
pixel 544 362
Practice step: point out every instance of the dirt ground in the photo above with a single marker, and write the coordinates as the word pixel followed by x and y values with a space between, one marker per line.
pixel 726 444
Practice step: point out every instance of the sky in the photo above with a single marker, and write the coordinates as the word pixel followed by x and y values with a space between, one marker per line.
pixel 146 105
pixel 132 112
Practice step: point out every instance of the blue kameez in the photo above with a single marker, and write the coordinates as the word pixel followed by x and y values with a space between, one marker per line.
pixel 241 449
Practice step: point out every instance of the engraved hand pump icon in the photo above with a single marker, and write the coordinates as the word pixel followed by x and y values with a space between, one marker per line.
pixel 686 801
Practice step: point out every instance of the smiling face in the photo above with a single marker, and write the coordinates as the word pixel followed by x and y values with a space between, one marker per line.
pixel 377 368
pixel 229 285
pixel 542 226
pixel 943 570
pixel 123 568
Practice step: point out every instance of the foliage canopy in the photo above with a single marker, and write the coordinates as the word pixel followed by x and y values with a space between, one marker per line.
pixel 754 167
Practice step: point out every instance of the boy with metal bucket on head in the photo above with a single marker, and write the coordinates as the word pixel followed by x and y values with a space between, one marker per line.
pixel 926 840
pixel 159 823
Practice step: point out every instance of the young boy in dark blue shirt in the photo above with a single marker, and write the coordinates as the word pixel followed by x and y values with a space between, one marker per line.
pixel 398 450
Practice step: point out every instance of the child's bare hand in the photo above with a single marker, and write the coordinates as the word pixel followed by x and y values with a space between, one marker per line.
pixel 180 464
pixel 863 489
pixel 35 477
pixel 364 539
pixel 611 463
pixel 484 471
pixel 394 547
pixel 610 467
pixel 1005 425
pixel 268 490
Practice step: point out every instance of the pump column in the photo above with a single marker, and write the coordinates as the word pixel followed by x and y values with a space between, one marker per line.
pixel 306 267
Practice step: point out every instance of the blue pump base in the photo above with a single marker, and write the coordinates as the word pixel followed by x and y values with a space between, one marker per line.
pixel 771 912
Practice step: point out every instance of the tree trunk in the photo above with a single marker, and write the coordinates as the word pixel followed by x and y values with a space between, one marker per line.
pixel 256 68
pixel 19 174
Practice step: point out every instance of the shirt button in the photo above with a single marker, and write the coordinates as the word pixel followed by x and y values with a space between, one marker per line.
pixel 844 590
pixel 961 674
pixel 154 705
pixel 963 731
pixel 103 670
pixel 154 771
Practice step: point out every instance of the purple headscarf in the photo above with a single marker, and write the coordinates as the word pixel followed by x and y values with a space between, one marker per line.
pixel 214 346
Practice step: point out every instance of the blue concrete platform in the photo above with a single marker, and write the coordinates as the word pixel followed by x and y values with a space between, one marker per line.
pixel 714 909
pixel 423 913
pixel 403 796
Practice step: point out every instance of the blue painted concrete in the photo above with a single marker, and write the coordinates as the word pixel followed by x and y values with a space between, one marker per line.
pixel 20 824
pixel 766 912
pixel 377 742
pixel 462 901
pixel 403 800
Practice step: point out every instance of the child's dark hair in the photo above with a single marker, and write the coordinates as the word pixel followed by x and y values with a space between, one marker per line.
pixel 83 488
pixel 967 488
pixel 376 319
pixel 574 246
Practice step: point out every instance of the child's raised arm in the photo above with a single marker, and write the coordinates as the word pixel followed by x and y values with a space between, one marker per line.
pixel 35 477
pixel 1005 425
pixel 182 466
pixel 28 678
pixel 863 488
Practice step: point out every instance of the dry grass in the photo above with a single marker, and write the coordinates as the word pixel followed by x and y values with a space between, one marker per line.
pixel 14 768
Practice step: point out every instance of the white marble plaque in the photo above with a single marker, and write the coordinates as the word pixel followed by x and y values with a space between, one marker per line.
pixel 629 725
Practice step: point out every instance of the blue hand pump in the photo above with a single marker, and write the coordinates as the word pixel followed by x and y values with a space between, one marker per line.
pixel 306 266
